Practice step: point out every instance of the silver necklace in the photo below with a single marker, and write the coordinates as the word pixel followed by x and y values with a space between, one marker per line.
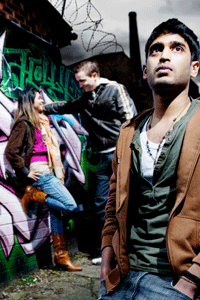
pixel 157 150
pixel 159 145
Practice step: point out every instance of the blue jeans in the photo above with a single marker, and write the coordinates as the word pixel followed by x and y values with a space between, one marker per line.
pixel 143 286
pixel 59 199
pixel 103 184
pixel 101 196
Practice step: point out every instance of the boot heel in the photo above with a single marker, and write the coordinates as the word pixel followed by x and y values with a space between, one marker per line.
pixel 61 256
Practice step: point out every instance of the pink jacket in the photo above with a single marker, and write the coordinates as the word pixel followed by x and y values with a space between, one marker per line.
pixel 183 232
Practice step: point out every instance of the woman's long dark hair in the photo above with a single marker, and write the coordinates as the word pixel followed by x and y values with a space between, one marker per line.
pixel 26 106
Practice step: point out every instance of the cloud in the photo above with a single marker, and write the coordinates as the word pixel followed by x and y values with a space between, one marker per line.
pixel 182 7
pixel 113 17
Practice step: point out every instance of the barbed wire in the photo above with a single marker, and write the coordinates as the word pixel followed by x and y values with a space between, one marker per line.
pixel 86 21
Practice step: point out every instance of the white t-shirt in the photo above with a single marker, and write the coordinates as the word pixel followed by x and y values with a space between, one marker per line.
pixel 147 162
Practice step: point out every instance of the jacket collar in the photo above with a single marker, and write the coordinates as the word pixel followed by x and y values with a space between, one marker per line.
pixel 188 159
pixel 105 81
pixel 135 121
pixel 128 130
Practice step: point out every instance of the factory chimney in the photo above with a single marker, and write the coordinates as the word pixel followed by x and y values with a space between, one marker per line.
pixel 134 43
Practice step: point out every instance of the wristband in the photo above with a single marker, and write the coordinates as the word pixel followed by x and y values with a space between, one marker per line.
pixel 188 280
pixel 192 278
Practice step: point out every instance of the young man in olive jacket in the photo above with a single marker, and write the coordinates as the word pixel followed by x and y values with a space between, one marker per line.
pixel 151 236
pixel 106 105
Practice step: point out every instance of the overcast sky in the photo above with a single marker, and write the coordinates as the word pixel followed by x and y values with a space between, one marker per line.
pixel 112 17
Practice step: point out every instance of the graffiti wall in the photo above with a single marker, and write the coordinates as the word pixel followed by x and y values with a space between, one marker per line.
pixel 24 61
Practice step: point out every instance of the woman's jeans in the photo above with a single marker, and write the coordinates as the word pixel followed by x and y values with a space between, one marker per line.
pixel 59 199
pixel 143 286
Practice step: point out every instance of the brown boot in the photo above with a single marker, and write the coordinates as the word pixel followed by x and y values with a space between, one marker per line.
pixel 32 194
pixel 61 257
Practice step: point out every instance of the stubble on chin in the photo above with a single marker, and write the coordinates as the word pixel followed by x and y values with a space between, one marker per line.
pixel 168 89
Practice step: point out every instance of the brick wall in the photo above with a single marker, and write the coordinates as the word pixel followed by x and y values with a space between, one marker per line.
pixel 39 18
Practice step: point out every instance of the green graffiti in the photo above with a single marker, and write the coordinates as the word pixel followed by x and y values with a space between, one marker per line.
pixel 18 263
pixel 70 225
pixel 88 163
pixel 33 66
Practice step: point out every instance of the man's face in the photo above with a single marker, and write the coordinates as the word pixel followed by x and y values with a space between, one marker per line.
pixel 169 63
pixel 88 83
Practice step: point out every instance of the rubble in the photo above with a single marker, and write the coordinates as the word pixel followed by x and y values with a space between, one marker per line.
pixel 52 283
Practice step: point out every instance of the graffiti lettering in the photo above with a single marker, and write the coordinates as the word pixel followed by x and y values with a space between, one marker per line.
pixel 33 66
pixel 22 235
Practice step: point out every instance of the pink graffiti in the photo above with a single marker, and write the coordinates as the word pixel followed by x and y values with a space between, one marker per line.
pixel 32 231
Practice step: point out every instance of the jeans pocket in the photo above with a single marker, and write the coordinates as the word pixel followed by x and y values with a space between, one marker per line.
pixel 102 290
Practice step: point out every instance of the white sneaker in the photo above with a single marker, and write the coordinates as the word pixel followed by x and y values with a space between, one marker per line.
pixel 96 261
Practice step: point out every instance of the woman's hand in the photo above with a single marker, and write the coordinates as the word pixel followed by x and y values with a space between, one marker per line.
pixel 35 175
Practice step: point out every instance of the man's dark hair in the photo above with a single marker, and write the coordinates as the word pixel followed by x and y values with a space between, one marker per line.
pixel 177 27
pixel 89 67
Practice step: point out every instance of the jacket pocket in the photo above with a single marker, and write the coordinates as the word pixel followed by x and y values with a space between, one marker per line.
pixel 183 241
